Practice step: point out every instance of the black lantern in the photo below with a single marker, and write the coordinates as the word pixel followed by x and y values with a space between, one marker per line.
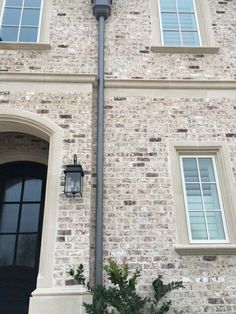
pixel 74 179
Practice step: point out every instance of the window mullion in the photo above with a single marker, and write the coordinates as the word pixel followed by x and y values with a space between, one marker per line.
pixel 2 12
pixel 19 220
pixel 177 11
pixel 19 29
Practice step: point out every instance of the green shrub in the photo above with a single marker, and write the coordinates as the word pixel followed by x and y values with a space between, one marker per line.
pixel 121 296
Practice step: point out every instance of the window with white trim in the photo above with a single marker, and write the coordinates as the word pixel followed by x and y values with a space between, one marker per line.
pixel 179 24
pixel 203 202
pixel 20 20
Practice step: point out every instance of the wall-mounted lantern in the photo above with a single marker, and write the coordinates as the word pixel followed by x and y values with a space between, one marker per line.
pixel 73 179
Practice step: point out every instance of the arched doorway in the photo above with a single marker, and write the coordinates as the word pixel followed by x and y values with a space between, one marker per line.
pixel 22 191
pixel 15 120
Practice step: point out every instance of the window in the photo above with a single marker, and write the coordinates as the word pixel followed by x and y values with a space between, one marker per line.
pixel 203 203
pixel 21 20
pixel 204 198
pixel 181 26
pixel 24 22
pixel 179 23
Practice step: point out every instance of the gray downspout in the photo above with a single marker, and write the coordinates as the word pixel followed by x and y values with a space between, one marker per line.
pixel 101 10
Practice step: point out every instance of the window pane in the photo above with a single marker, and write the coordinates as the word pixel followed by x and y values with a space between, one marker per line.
pixel 198 226
pixel 11 16
pixel 30 17
pixel 190 170
pixel 9 217
pixel 215 226
pixel 8 33
pixel 29 218
pixel 171 38
pixel 188 22
pixel 16 3
pixel 210 196
pixel 194 198
pixel 168 5
pixel 170 21
pixel 26 250
pixel 33 3
pixel 185 5
pixel 28 34
pixel 7 245
pixel 206 170
pixel 13 190
pixel 190 39
pixel 32 190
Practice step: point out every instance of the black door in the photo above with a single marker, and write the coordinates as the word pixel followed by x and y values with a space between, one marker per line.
pixel 22 189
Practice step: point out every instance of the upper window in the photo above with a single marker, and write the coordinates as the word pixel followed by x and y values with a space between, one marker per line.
pixel 179 23
pixel 21 21
pixel 181 26
pixel 203 202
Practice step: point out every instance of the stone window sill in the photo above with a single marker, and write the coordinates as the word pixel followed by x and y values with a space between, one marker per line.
pixel 185 50
pixel 25 46
pixel 211 249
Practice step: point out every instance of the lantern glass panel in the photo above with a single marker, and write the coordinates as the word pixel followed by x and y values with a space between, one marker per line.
pixel 73 184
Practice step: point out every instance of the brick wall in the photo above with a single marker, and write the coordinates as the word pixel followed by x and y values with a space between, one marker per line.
pixel 139 213
pixel 140 217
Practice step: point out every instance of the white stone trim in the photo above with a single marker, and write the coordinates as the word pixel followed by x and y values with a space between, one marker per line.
pixel 170 89
pixel 47 77
pixel 44 82
pixel 171 84
pixel 57 291
pixel 66 300
pixel 116 83
pixel 25 46
pixel 186 50
pixel 39 157
pixel 13 120
pixel 206 249
pixel 59 303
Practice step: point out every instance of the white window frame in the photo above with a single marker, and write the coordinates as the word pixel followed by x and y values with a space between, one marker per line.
pixel 43 42
pixel 206 35
pixel 177 12
pixel 197 156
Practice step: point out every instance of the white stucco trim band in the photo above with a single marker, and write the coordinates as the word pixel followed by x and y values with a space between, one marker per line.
pixel 185 50
pixel 47 78
pixel 117 83
pixel 171 84
pixel 170 89
pixel 61 300
pixel 25 46
pixel 56 291
pixel 206 249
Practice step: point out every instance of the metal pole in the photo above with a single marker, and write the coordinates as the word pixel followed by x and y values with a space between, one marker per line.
pixel 100 156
